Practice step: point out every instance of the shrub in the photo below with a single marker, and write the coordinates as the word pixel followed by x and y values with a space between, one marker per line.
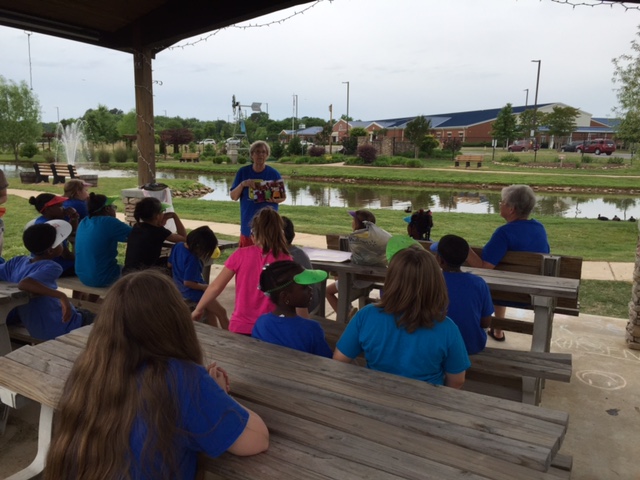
pixel 367 153
pixel 228 160
pixel 120 155
pixel 29 150
pixel 397 161
pixel 509 158
pixel 615 161
pixel 209 150
pixel 134 155
pixel 587 159
pixel 299 160
pixel 277 150
pixel 49 157
pixel 177 156
pixel 381 162
pixel 413 163
pixel 220 159
pixel 315 151
pixel 104 156
pixel 350 144
pixel 295 146
pixel 242 159
pixel 353 161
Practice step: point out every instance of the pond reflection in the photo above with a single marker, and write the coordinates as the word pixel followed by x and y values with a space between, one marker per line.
pixel 354 196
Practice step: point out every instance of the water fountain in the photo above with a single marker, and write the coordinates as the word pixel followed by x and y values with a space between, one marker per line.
pixel 72 141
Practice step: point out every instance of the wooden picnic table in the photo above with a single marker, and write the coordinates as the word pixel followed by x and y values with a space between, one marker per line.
pixel 330 420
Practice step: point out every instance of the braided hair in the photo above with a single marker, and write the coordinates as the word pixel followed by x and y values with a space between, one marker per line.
pixel 277 276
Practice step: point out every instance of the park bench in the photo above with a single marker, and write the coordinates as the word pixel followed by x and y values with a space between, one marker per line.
pixel 58 171
pixel 190 157
pixel 478 159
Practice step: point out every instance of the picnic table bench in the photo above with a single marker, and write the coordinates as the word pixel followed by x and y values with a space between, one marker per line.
pixel 332 420
pixel 467 159
pixel 190 157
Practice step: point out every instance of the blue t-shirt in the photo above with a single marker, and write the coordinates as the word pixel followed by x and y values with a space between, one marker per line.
pixel 517 236
pixel 186 266
pixel 248 208
pixel 97 249
pixel 469 301
pixel 426 354
pixel 42 316
pixel 209 421
pixel 78 205
pixel 66 263
pixel 292 332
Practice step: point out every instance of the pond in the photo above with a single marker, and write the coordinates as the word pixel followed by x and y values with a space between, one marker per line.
pixel 354 196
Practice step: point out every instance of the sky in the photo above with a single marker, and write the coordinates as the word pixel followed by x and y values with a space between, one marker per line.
pixel 401 58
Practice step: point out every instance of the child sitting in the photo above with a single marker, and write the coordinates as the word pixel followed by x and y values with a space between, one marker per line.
pixel 368 244
pixel 144 245
pixel 288 285
pixel 420 225
pixel 470 303
pixel 76 192
pixel 186 263
pixel 51 207
pixel 49 312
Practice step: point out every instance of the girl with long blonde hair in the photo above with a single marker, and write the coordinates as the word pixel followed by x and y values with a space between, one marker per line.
pixel 407 332
pixel 246 264
pixel 138 403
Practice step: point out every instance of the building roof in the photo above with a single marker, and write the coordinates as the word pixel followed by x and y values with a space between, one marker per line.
pixel 128 25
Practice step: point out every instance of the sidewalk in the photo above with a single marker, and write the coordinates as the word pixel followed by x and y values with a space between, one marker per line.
pixel 612 271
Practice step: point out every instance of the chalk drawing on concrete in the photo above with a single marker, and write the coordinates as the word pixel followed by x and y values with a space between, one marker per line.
pixel 602 380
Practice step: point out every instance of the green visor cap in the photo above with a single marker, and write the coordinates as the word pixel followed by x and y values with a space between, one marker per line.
pixel 165 206
pixel 397 243
pixel 110 201
pixel 309 277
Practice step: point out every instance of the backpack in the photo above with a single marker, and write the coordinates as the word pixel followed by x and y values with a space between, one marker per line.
pixel 420 226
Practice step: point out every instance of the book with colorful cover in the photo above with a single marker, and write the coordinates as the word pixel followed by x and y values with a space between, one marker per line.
pixel 267 191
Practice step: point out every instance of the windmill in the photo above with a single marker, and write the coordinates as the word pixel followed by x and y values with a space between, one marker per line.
pixel 240 139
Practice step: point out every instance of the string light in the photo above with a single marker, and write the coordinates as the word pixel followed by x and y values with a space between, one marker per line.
pixel 597 3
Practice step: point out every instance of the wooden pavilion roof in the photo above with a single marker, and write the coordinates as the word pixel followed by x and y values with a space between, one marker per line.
pixel 126 25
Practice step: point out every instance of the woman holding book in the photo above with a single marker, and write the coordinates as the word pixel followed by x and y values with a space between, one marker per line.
pixel 250 181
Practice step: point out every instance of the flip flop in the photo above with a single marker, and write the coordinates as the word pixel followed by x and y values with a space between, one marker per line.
pixel 497 339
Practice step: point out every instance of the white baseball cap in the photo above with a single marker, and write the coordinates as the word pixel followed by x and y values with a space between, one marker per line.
pixel 63 230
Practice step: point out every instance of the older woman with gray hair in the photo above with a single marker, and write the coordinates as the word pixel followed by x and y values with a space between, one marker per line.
pixel 519 234
pixel 244 188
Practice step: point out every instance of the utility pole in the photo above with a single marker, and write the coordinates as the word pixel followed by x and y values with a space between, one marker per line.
pixel 535 111
pixel 347 108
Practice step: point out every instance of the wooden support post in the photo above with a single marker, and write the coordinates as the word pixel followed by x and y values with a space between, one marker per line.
pixel 143 78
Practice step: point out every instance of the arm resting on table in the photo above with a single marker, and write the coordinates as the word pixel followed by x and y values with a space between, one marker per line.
pixel 254 438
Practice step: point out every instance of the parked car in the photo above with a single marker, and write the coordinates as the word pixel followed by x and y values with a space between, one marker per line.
pixel 572 146
pixel 522 146
pixel 207 141
pixel 598 146
pixel 233 141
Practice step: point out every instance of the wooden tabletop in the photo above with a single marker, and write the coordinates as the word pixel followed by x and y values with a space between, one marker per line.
pixel 330 420
pixel 9 292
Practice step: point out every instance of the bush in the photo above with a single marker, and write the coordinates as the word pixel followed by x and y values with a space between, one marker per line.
pixel 209 150
pixel 104 156
pixel 29 150
pixel 615 161
pixel 397 161
pixel 353 161
pixel 350 144
pixel 413 163
pixel 509 158
pixel 277 150
pixel 315 151
pixel 295 146
pixel 587 159
pixel 242 160
pixel 381 162
pixel 134 155
pixel 120 155
pixel 177 156
pixel 49 157
pixel 220 159
pixel 367 153
pixel 228 160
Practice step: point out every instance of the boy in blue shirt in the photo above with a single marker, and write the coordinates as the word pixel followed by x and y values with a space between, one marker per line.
pixel 470 303
pixel 49 312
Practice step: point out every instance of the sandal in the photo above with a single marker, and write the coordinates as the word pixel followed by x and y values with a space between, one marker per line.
pixel 497 339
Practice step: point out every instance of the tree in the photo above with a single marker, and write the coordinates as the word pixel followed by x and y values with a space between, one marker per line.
pixel 416 131
pixel 627 76
pixel 505 128
pixel 452 144
pixel 177 137
pixel 561 122
pixel 19 115
pixel 128 124
pixel 530 121
pixel 101 125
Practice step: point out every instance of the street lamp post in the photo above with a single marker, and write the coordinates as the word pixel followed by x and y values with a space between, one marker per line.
pixel 526 100
pixel 347 108
pixel 535 110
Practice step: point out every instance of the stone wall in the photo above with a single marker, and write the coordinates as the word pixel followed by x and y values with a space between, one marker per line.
pixel 633 327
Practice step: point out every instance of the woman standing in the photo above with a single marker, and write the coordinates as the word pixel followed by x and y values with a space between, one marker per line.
pixel 244 184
